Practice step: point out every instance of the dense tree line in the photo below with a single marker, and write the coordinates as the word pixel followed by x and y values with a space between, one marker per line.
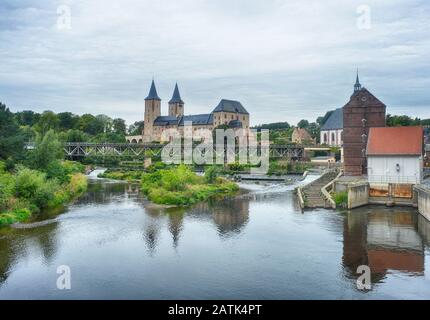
pixel 76 128
pixel 396 121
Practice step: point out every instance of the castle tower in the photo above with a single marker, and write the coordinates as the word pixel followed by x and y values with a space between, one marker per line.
pixel 152 111
pixel 176 105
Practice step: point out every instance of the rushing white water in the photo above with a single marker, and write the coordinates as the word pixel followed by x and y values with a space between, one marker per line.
pixel 264 187
pixel 94 174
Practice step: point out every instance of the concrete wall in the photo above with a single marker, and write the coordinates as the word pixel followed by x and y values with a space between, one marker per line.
pixel 358 195
pixel 423 199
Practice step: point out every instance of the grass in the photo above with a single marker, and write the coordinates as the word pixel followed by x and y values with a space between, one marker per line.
pixel 341 199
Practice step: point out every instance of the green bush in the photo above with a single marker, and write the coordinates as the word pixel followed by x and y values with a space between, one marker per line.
pixel 7 188
pixel 236 167
pixel 29 191
pixel 341 199
pixel 211 173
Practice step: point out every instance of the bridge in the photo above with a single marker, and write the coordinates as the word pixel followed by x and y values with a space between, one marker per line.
pixel 138 150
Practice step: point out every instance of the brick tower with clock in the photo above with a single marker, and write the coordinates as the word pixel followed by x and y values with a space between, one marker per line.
pixel 362 112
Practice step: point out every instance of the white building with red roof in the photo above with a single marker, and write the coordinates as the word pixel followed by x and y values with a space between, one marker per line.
pixel 395 155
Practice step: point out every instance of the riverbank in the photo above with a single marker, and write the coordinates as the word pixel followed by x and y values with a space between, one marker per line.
pixel 25 192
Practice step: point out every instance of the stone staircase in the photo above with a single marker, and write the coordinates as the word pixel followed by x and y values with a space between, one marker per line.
pixel 312 195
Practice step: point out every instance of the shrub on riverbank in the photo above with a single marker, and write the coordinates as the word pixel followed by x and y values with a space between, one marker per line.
pixel 181 186
pixel 28 191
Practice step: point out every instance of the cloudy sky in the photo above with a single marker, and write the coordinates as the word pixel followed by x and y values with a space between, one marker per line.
pixel 284 60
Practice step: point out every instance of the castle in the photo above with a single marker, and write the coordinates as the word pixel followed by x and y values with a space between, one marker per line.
pixel 227 113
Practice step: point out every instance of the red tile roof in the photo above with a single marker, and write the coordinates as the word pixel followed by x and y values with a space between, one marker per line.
pixel 395 141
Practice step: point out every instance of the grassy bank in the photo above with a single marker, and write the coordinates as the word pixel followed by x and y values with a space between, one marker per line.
pixel 181 186
pixel 24 191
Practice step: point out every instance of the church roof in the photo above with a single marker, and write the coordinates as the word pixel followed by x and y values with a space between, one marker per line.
pixel 176 97
pixel 165 121
pixel 335 121
pixel 230 106
pixel 153 93
pixel 197 119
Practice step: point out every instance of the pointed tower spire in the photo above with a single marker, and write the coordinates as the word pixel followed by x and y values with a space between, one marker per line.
pixel 357 85
pixel 153 93
pixel 176 97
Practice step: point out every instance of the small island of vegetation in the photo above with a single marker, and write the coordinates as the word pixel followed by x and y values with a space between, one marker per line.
pixel 181 186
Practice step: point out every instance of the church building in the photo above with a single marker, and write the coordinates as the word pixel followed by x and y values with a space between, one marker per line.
pixel 228 113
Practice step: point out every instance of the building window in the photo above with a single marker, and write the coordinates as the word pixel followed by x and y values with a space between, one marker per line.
pixel 325 137
pixel 333 137
pixel 225 116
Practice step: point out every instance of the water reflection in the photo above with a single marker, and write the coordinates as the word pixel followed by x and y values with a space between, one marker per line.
pixel 19 244
pixel 384 239
pixel 260 245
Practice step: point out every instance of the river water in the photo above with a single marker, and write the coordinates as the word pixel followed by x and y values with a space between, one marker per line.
pixel 258 245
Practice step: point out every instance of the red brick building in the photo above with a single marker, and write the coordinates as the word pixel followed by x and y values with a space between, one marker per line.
pixel 362 112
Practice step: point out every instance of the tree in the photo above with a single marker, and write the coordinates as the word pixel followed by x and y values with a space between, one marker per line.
pixel 47 150
pixel 119 126
pixel 48 121
pixel 273 126
pixel 74 135
pixel 322 120
pixel 90 124
pixel 303 124
pixel 67 120
pixel 27 118
pixel 314 130
pixel 136 128
pixel 106 122
pixel 11 138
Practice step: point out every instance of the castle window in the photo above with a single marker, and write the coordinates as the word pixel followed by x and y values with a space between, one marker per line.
pixel 225 116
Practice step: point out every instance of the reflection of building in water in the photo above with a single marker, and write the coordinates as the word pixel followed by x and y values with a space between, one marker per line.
pixel 152 228
pixel 384 240
pixel 231 215
pixel 394 243
pixel 176 218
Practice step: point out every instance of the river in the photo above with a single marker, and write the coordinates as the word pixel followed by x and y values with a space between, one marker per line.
pixel 258 245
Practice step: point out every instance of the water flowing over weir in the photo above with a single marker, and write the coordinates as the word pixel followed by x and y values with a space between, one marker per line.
pixel 94 174
pixel 258 245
